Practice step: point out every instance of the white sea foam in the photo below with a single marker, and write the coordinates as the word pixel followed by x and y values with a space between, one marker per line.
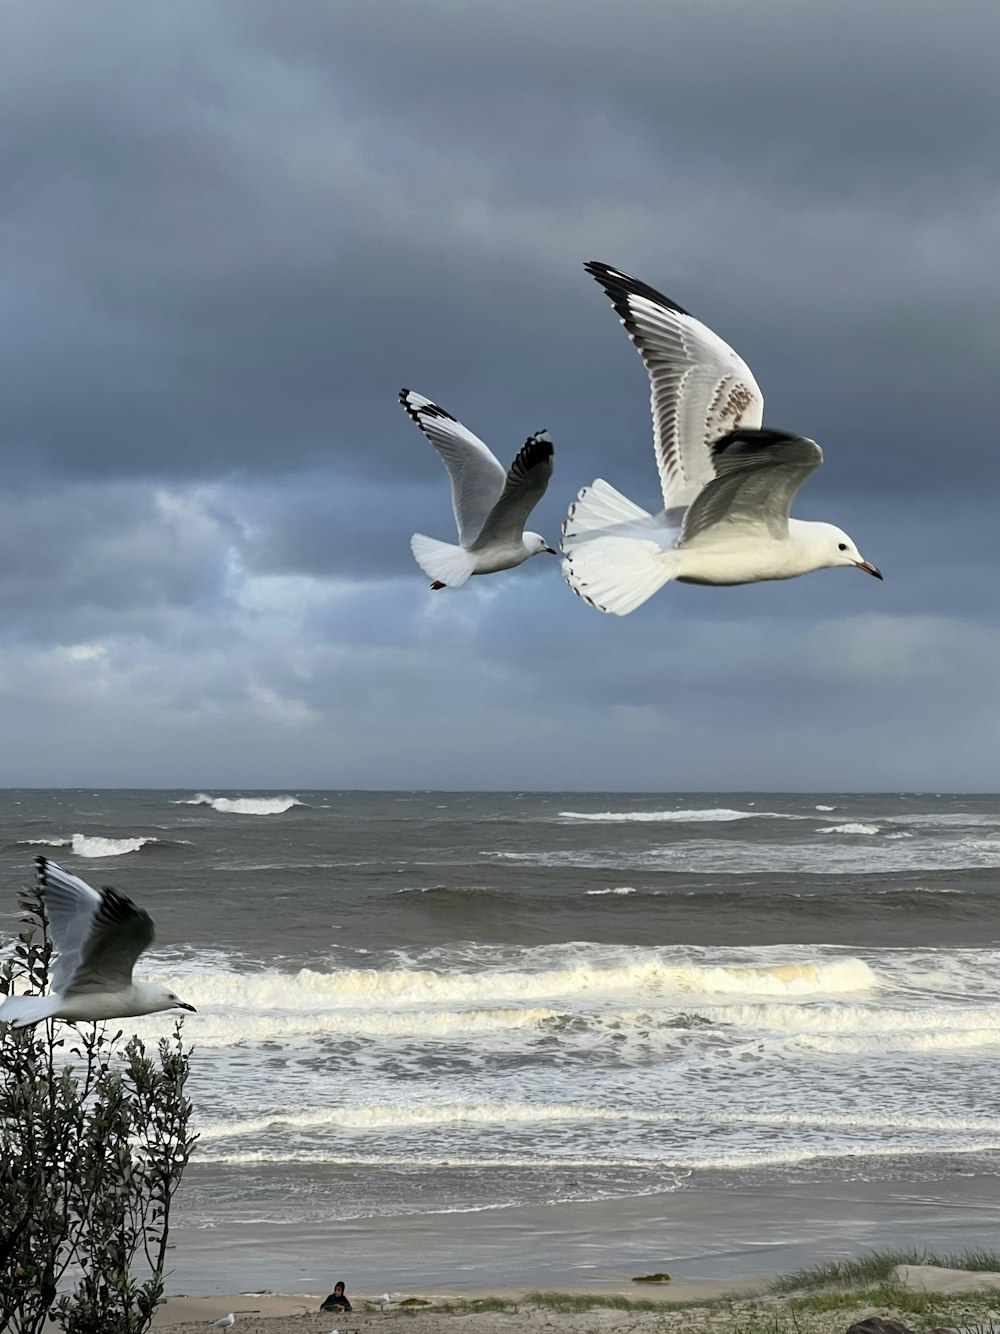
pixel 854 827
pixel 738 1161
pixel 871 1021
pixel 876 1044
pixel 243 805
pixel 227 1028
pixel 43 843
pixel 832 856
pixel 403 1116
pixel 720 813
pixel 619 889
pixel 308 989
pixel 87 845
pixel 826 808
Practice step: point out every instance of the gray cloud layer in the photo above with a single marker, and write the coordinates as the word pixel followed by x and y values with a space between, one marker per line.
pixel 231 233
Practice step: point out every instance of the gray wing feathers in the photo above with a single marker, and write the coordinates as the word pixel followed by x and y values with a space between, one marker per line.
pixel 477 477
pixel 99 933
pixel 70 904
pixel 755 486
pixel 700 389
pixel 526 482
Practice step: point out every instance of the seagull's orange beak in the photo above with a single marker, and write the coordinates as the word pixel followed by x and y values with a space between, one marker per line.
pixel 869 568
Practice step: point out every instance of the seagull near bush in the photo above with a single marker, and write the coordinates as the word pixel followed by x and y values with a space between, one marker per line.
pixel 728 484
pixel 491 506
pixel 99 934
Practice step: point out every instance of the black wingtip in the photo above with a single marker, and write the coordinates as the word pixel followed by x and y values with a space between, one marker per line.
pixel 620 286
pixel 418 410
pixel 749 440
pixel 536 449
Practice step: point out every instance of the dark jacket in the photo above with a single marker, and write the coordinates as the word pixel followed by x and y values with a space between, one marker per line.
pixel 336 1302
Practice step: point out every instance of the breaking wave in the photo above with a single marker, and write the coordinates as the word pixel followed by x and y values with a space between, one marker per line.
pixel 395 1116
pixel 307 989
pixel 855 827
pixel 720 813
pixel 225 1028
pixel 243 805
pixel 94 845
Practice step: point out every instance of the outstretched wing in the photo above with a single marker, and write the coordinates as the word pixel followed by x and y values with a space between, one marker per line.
pixel 700 390
pixel 477 477
pixel 526 482
pixel 99 933
pixel 759 473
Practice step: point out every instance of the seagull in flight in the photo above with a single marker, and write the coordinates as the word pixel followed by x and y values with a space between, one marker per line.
pixel 99 934
pixel 491 506
pixel 728 483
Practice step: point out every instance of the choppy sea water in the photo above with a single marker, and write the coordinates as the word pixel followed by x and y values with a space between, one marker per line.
pixel 413 1003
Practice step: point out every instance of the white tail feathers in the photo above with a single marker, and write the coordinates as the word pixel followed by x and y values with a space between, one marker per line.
pixel 22 1011
pixel 443 562
pixel 612 558
pixel 600 507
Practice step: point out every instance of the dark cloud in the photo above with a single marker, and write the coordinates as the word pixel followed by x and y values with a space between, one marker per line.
pixel 232 232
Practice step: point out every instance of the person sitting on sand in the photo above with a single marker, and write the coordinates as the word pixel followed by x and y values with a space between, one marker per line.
pixel 337 1300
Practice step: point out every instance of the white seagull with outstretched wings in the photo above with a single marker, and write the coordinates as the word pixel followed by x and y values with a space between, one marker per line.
pixel 99 934
pixel 491 505
pixel 727 483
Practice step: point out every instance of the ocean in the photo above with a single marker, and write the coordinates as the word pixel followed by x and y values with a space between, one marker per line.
pixel 418 1004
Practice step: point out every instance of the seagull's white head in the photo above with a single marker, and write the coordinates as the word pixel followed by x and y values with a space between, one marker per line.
pixel 155 997
pixel 535 543
pixel 838 549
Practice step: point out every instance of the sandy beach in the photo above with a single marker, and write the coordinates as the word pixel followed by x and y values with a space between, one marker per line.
pixel 271 1313
pixel 953 1298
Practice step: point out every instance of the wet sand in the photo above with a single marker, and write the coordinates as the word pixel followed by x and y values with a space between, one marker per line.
pixel 715 1235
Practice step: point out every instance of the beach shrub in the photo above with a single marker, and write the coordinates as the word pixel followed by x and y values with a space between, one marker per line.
pixel 94 1138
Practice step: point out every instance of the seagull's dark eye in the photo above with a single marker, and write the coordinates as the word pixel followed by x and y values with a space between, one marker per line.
pixel 841 546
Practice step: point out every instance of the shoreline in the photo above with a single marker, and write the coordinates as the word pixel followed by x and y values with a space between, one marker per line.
pixel 702 1233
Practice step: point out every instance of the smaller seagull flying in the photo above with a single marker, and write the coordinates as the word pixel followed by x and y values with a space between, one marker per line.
pixel 727 483
pixel 99 935
pixel 491 506
pixel 225 1322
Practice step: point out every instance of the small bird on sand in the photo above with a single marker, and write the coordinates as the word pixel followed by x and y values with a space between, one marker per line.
pixel 727 483
pixel 99 935
pixel 491 506
pixel 225 1322
pixel 383 1301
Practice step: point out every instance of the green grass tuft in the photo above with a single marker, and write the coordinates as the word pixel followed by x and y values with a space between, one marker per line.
pixel 875 1267
pixel 572 1302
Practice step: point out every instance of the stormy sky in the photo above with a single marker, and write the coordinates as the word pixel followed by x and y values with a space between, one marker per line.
pixel 231 232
